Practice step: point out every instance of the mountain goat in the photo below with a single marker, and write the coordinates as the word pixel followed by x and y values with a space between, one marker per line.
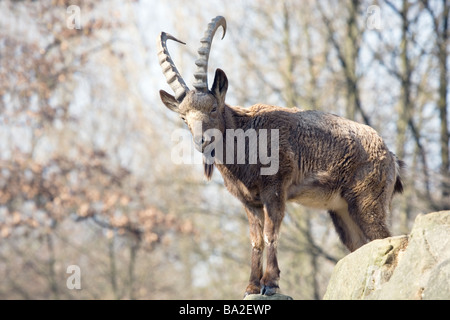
pixel 322 160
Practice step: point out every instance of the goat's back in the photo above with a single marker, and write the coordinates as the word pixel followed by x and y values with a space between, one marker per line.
pixel 317 142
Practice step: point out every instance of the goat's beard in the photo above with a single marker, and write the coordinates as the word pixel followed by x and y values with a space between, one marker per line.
pixel 208 164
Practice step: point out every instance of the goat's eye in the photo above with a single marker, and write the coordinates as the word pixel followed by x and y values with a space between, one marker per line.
pixel 214 109
pixel 183 118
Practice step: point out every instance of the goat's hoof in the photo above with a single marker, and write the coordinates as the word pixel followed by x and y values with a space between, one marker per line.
pixel 268 291
pixel 252 289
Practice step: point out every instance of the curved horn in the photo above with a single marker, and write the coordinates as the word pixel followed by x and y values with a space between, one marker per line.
pixel 201 75
pixel 169 69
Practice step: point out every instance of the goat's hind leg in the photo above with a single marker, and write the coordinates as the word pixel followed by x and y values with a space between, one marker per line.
pixel 348 230
pixel 371 218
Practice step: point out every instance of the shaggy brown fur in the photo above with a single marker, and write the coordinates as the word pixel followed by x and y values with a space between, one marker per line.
pixel 325 162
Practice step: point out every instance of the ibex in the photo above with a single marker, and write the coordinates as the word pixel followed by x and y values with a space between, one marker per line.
pixel 325 162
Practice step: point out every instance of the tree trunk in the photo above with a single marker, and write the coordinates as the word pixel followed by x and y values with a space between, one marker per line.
pixel 442 40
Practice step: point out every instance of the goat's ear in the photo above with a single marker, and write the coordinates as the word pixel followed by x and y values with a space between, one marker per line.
pixel 220 86
pixel 169 100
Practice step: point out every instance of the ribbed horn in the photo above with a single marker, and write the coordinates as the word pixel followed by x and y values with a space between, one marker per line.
pixel 201 75
pixel 169 69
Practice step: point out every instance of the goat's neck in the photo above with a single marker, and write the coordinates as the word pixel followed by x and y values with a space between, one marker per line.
pixel 236 117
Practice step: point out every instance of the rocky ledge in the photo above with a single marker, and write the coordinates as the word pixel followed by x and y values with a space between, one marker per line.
pixel 414 266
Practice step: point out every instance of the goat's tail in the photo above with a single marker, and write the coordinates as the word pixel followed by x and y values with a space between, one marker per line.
pixel 399 165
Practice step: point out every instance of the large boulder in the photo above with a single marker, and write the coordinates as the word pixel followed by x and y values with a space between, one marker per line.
pixel 416 266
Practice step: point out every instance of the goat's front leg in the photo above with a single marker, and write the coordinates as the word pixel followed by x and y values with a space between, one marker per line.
pixel 256 221
pixel 273 215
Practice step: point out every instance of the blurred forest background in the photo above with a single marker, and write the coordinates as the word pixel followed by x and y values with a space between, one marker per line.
pixel 86 176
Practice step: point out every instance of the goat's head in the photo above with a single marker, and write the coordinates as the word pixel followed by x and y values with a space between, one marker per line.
pixel 201 109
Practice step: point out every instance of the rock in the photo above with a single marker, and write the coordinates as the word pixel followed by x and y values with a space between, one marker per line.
pixel 416 266
pixel 276 296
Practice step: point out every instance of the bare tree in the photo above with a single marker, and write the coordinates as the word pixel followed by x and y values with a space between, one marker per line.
pixel 440 21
